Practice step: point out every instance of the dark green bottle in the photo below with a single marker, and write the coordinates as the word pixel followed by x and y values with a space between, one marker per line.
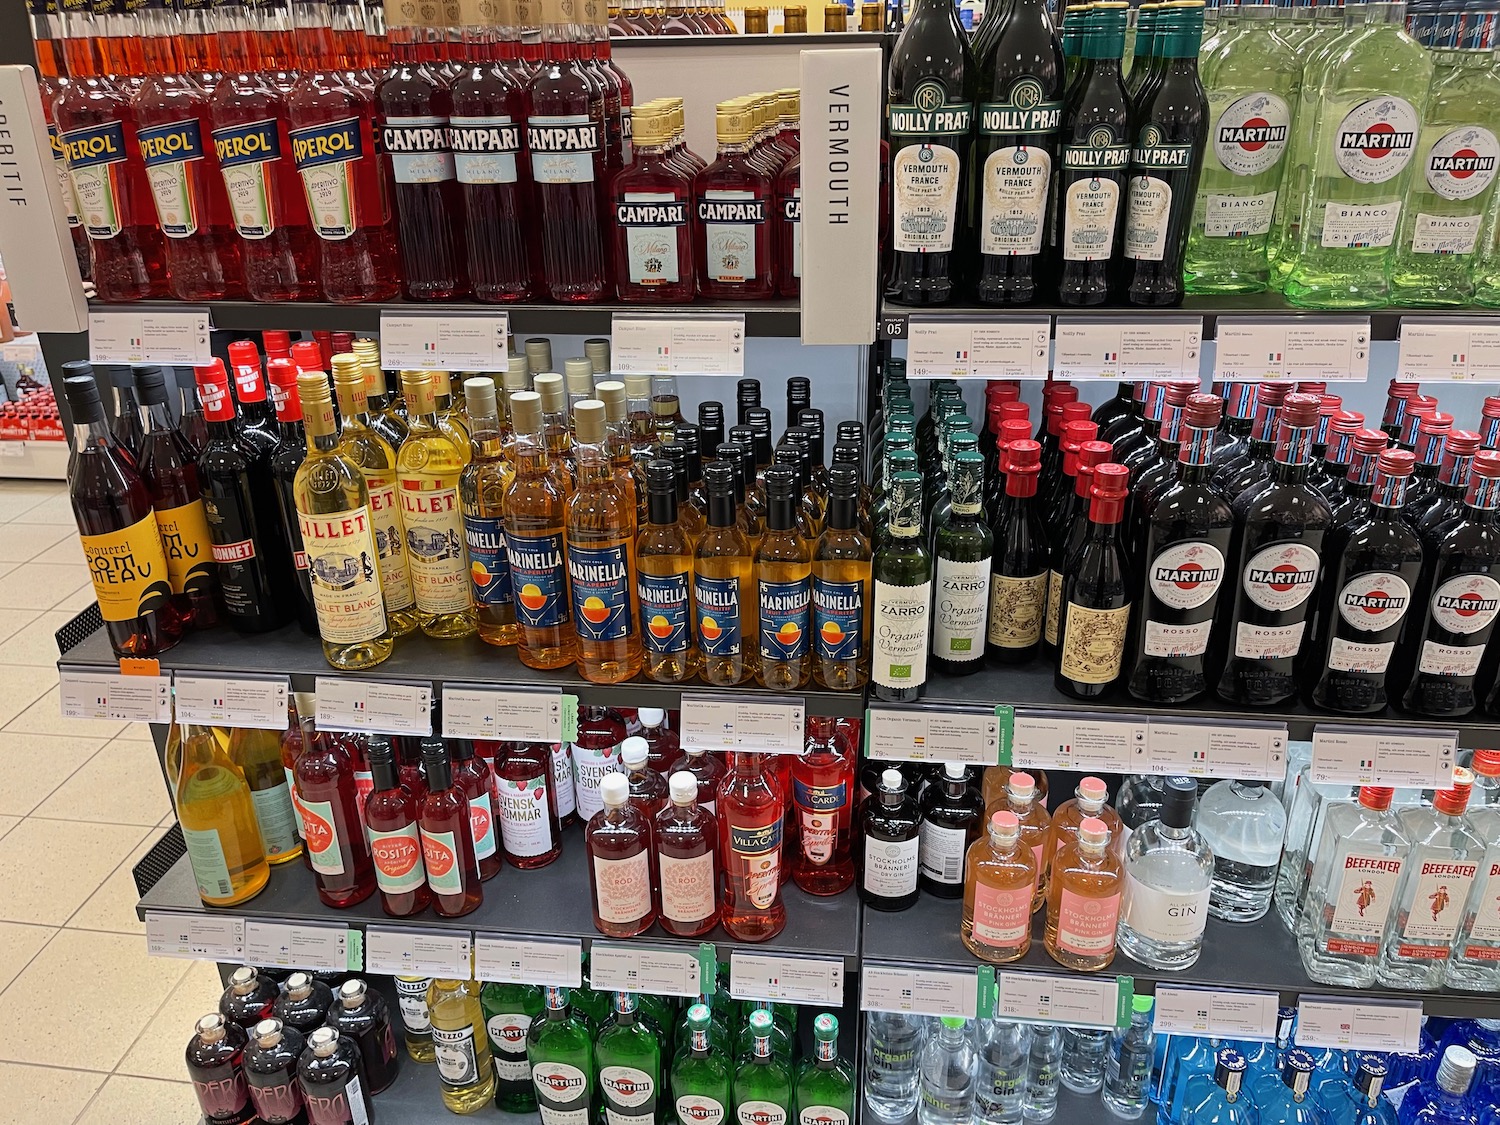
pixel 930 86
pixel 628 1054
pixel 560 1048
pixel 1072 43
pixel 902 570
pixel 508 1012
pixel 961 590
pixel 1171 127
pixel 1145 37
pixel 1089 204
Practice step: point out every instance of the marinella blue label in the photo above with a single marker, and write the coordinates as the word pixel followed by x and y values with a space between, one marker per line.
pixel 666 620
pixel 538 579
pixel 784 619
pixel 601 592
pixel 838 618
pixel 489 565
pixel 718 602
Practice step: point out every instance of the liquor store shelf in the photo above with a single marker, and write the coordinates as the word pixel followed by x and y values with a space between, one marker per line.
pixel 1072 1109
pixel 415 1097
pixel 417 658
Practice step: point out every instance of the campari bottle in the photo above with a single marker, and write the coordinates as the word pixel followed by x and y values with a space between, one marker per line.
pixel 653 242
pixel 732 197
pixel 788 256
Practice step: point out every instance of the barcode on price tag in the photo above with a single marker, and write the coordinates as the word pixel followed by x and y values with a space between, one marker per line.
pixel 937 347
pixel 925 992
pixel 1103 1002
pixel 528 961
pixel 1216 1012
pixel 714 723
pixel 1405 759
pixel 374 708
pixel 333 949
pixel 639 968
pixel 109 695
pixel 1248 751
pixel 207 937
pixel 417 953
pixel 1394 1025
pixel 932 736
pixel 797 980
pixel 241 702
pixel 511 716
pixel 1077 742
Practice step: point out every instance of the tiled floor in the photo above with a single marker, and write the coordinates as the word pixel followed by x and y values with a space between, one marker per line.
pixel 80 804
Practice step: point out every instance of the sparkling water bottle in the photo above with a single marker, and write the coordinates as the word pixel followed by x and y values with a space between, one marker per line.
pixel 1039 1099
pixel 1127 1064
pixel 893 1048
pixel 947 1086
pixel 1003 1047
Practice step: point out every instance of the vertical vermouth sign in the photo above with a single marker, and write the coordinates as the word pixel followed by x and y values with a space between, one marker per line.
pixel 840 194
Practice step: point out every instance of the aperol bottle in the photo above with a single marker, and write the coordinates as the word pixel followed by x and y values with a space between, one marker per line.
pixel 51 76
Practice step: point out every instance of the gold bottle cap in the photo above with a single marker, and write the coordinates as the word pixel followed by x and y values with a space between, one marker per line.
pixel 579 373
pixel 549 384
pixel 638 386
pixel 789 102
pixel 317 406
pixel 757 21
pixel 526 412
pixel 516 377
pixel 835 17
pixel 871 17
pixel 479 397
pixel 733 122
pixel 401 13
pixel 597 349
pixel 368 352
pixel 650 126
pixel 612 393
pixel 588 421
pixel 417 387
pixel 794 19
pixel 349 384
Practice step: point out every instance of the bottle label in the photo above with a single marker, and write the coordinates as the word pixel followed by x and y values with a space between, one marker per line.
pixel 941 852
pixel 731 220
pixel 246 153
pixel 1362 897
pixel 791 214
pixel 276 1101
pixel 1090 207
pixel 1017 607
pixel 590 764
pixel 538 579
pixel 1238 216
pixel 1027 110
pixel 1374 601
pixel 1466 603
pixel 838 616
pixel 1146 219
pixel 718 601
pixel 562 778
pixel 1347 227
pixel 1445 234
pixel 60 166
pixel 1357 656
pixel 346 1107
pixel 291 786
pixel 652 222
pixel 186 544
pixel 624 1088
pixel 601 592
pixel 1162 915
pixel 323 847
pixel 818 808
pixel 623 887
pixel 411 995
pixel 687 888
pixel 1250 133
pixel 456 1061
pixel 128 569
pixel 558 1082
pixel 525 816
pixel 484 149
pixel 1268 642
pixel 1086 925
pixel 1093 643
pixel 666 625
pixel 1165 639
pixel 755 852
pixel 760 1113
pixel 507 1032
pixel 924 187
pixel 419 149
pixel 891 867
pixel 1450 660
pixel 1015 200
pixel 342 566
pixel 1376 139
pixel 1461 163
pixel 169 152
pixel 1187 575
pixel 398 859
pixel 223 1099
pixel 95 156
pixel 325 156
pixel 1281 577
pixel 1054 605
pixel 785 614
pixel 694 1109
pixel 562 148
pixel 482 825
pixel 206 857
pixel 435 548
pixel 1002 915
pixel 1436 909
pixel 1486 923
pixel 958 612
pixel 390 542
pixel 276 819
pixel 440 856
pixel 900 640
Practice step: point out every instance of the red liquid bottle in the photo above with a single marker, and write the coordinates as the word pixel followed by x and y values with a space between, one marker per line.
pixel 565 133
pixel 364 779
pixel 732 196
pixel 648 788
pixel 215 1063
pixel 750 812
pixel 687 837
pixel 662 742
pixel 472 775
pixel 331 110
pixel 652 198
pixel 51 74
pixel 789 228
pixel 823 794
pixel 618 838
pixel 412 106
pixel 97 129
pixel 526 800
pixel 395 843
pixel 341 862
pixel 291 749
pixel 247 114
pixel 709 771
pixel 619 93
pixel 117 528
pixel 447 839
pixel 494 176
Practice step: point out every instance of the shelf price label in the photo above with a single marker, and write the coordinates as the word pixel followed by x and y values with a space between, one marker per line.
pixel 205 937
pixel 374 708
pixel 1372 1025
pixel 1157 347
pixel 1075 1001
pixel 932 736
pixel 1248 751
pixel 1216 1012
pixel 941 348
pixel 1328 349
pixel 329 948
pixel 923 992
pixel 796 980
pixel 1047 740
pixel 1451 351
pixel 705 344
pixel 1403 758
pixel 528 960
pixel 258 703
pixel 437 341
pixel 516 716
pixel 719 723
pixel 418 953
pixel 110 695
pixel 169 336
pixel 641 968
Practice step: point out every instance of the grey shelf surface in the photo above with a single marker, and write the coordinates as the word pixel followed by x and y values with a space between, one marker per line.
pixel 416 1097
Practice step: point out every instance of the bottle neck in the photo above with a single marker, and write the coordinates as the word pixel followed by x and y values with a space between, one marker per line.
pixel 1293 452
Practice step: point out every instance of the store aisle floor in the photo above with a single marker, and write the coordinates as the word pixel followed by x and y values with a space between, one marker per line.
pixel 92 1030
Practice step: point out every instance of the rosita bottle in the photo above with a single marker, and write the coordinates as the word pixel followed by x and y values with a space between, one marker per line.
pixel 732 196
pixel 331 824
pixel 653 242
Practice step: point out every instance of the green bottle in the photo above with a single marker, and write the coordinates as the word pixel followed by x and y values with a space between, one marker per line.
pixel 658 1012
pixel 702 1077
pixel 899 461
pixel 964 547
pixel 783 1032
pixel 508 1012
pixel 560 1049
pixel 1145 39
pixel 902 570
pixel 825 1086
pixel 719 1038
pixel 628 1055
pixel 763 1082
pixel 592 1006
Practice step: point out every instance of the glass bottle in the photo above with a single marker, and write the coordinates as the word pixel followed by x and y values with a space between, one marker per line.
pixel 387 408
pixel 534 526
pixel 595 753
pixel 472 774
pixel 952 817
pixel 947 1090
pixel 1128 1063
pixel 750 811
pixel 702 1078
pixel 707 769
pixel 1000 881
pixel 902 569
pixel 628 1054
pixel 1168 873
pixel 327 798
pixel 664 563
pixel 360 1014
pixel 447 831
pixel 303 1003
pixel 1018 568
pixel 416 1021
pixel 1225 1101
pixel 963 549
pixel 1096 594
pixel 1244 826
pixel 509 1010
pixel 648 789
pixel 618 838
pixel 824 1089
pixel 890 824
pixel 286 431
pixel 687 838
pixel 215 1063
pixel 466 1073
pixel 653 242
pixel 395 841
pixel 1083 900
pixel 783 567
pixel 731 197
pixel 662 743
pixel 257 755
pixel 1022 797
pixel 526 795
pixel 723 570
pixel 822 783
pixel 763 1081
pixel 329 1073
pixel 841 563
pixel 217 814
pixel 560 1049
pixel 248 998
pixel 271 1072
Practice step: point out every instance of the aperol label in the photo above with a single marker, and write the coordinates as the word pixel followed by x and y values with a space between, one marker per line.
pixel 666 620
pixel 398 860
pixel 538 579
pixel 601 592
pixel 838 619
pixel 129 570
pixel 785 619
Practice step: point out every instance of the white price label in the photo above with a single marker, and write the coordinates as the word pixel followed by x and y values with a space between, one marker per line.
pixel 712 344
pixel 933 736
pixel 715 723
pixel 206 937
pixel 528 961
pixel 444 341
pixel 637 968
pixel 1073 742
pixel 1327 349
pixel 938 348
pixel 1405 759
pixel 260 703
pixel 110 695
pixel 417 953
pixel 796 980
pixel 303 946
pixel 1157 348
pixel 1449 351
pixel 1250 752
pixel 924 992
pixel 178 337
pixel 1394 1025
pixel 510 716
pixel 1215 1012
pixel 1080 1002
pixel 374 708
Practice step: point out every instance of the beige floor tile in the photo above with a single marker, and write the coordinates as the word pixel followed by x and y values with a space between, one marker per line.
pixel 16 503
pixel 12 621
pixel 123 1098
pixel 7 823
pixel 80 599
pixel 18 945
pixel 112 906
pixel 22 542
pixel 51 510
pixel 49 868
pixel 44 1093
pixel 122 784
pixel 35 585
pixel 66 550
pixel 157 1053
pixel 36 643
pixel 78 1027
pixel 45 717
pixel 45 761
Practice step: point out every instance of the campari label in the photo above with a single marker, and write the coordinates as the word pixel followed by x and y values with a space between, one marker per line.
pixel 1375 141
pixel 1373 602
pixel 1282 576
pixel 1250 133
pixel 1187 575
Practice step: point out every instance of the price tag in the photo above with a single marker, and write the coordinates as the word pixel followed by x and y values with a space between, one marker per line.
pixel 1394 1025
pixel 1248 751
pixel 797 980
pixel 925 992
pixel 417 953
pixel 714 723
pixel 206 937
pixel 444 341
pixel 639 968
pixel 1074 742
pixel 1406 759
pixel 1159 347
pixel 109 695
pixel 177 336
pixel 1078 1001
pixel 528 961
pixel 1215 1012
pixel 515 716
pixel 257 703
pixel 1328 349
pixel 374 708
pixel 1456 351
pixel 664 345
pixel 933 736
pixel 303 946
pixel 1010 349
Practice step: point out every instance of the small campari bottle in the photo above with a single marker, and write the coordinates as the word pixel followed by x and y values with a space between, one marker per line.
pixel 653 240
pixel 732 196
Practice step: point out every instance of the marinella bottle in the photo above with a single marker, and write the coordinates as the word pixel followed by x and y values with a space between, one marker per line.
pixel 534 527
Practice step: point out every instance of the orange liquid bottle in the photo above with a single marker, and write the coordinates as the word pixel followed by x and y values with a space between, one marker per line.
pixel 1089 799
pixel 1083 902
pixel 998 888
pixel 1036 828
